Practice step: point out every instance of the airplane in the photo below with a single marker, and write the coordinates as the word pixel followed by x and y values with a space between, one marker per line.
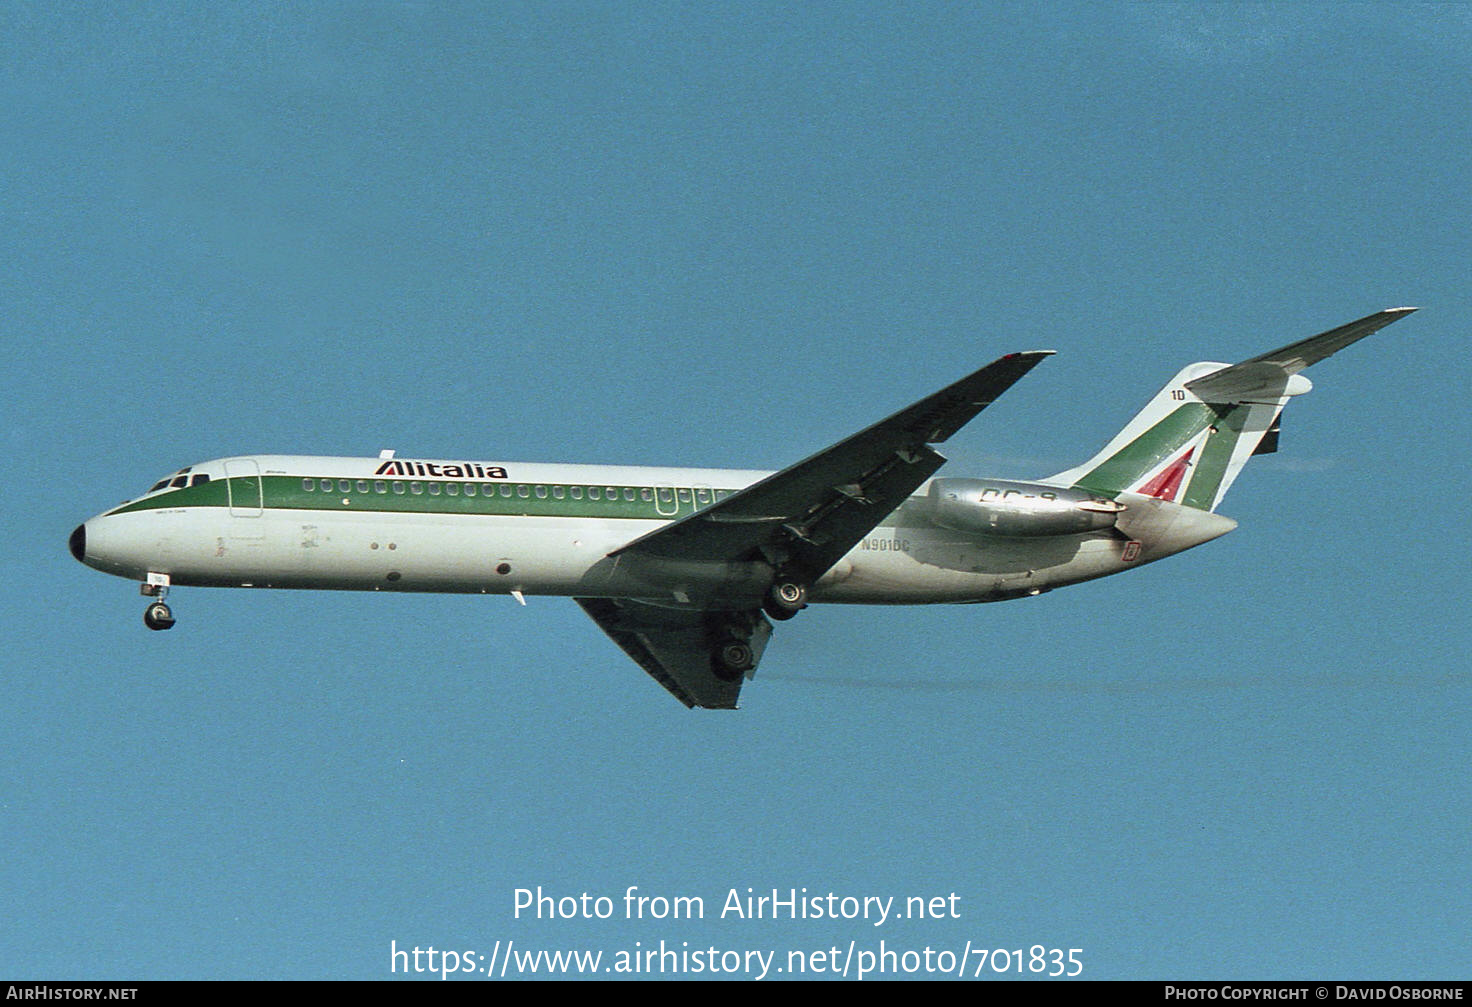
pixel 685 568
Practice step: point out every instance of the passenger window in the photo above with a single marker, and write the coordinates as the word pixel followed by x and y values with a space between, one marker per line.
pixel 522 491
pixel 470 489
pixel 417 488
pixel 434 489
pixel 310 485
pixel 362 485
pixel 702 496
pixel 594 493
pixel 612 493
pixel 647 494
pixel 629 493
pixel 326 485
pixel 558 492
pixel 398 487
pixel 577 492
pixel 379 486
pixel 453 489
pixel 541 492
pixel 344 485
pixel 506 489
pixel 487 489
pixel 684 495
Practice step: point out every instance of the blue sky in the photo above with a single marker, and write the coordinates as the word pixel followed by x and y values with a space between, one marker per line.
pixel 730 235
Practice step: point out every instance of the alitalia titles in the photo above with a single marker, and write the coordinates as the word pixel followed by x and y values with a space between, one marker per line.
pixel 454 470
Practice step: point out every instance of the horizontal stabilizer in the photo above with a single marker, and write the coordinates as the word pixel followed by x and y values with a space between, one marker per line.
pixel 1265 377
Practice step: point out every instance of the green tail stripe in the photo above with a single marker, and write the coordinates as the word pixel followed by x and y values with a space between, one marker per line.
pixel 1125 467
pixel 1216 454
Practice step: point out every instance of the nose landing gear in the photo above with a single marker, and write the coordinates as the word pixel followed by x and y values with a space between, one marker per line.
pixel 157 615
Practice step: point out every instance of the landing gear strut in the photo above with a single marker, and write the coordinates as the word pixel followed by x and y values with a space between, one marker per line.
pixel 785 599
pixel 157 615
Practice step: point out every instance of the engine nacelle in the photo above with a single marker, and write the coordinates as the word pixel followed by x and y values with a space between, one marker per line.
pixel 1000 507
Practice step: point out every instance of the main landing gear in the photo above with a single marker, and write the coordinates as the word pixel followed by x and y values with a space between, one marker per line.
pixel 733 659
pixel 785 599
pixel 738 644
pixel 157 615
pixel 737 640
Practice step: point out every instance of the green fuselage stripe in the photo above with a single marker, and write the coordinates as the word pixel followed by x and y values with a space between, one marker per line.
pixel 524 500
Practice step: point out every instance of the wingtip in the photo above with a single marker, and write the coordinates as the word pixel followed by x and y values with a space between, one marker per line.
pixel 1401 311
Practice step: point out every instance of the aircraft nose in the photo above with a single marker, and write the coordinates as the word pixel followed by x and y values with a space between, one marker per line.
pixel 78 543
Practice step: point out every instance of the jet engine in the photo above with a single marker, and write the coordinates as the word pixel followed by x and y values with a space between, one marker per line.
pixel 999 507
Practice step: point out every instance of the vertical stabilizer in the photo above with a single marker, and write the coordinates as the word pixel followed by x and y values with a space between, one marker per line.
pixel 1191 440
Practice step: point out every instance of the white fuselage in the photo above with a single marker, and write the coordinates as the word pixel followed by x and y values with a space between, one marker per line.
pixel 376 524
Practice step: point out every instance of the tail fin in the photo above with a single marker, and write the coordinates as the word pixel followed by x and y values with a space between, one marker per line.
pixel 1191 440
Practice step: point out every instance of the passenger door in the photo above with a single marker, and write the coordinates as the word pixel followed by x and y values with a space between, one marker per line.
pixel 243 483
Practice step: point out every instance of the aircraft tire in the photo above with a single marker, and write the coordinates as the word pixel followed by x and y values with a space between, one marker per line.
pixel 157 616
pixel 777 612
pixel 785 599
pixel 733 658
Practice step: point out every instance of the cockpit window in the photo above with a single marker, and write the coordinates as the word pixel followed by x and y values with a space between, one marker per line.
pixel 179 479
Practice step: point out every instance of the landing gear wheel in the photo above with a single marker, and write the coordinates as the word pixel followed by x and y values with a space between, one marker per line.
pixel 785 599
pixel 158 616
pixel 733 658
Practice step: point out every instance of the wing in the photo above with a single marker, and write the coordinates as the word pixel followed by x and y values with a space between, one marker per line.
pixel 676 645
pixel 799 521
pixel 804 518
